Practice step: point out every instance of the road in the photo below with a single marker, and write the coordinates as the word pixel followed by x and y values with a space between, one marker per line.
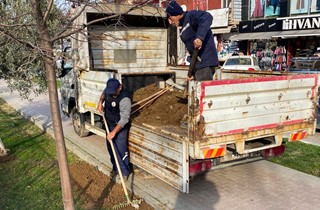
pixel 255 185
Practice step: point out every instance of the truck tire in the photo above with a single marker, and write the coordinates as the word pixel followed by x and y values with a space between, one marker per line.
pixel 78 126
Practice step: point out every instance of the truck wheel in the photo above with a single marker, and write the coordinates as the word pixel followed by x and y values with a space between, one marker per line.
pixel 77 125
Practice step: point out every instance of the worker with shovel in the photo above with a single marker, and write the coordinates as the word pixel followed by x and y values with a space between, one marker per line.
pixel 117 108
pixel 196 34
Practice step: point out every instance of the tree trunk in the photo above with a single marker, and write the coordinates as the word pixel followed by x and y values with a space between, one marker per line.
pixel 47 50
pixel 59 137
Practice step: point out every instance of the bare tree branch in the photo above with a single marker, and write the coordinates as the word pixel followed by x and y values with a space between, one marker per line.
pixel 48 10
pixel 64 34
pixel 10 36
pixel 15 25
pixel 61 34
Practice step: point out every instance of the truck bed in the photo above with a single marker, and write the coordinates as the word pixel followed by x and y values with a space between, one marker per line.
pixel 234 111
pixel 227 118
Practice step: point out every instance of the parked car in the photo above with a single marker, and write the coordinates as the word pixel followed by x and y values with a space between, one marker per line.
pixel 241 62
pixel 305 65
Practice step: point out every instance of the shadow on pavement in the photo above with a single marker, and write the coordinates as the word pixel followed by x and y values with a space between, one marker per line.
pixel 191 201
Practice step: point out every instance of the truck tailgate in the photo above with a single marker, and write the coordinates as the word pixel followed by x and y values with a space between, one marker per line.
pixel 238 110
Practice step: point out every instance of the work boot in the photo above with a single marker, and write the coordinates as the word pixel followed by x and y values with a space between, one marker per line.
pixel 113 173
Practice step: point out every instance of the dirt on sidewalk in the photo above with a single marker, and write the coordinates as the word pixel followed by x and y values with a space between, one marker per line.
pixel 97 190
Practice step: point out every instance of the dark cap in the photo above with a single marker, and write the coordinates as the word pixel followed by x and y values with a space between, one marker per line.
pixel 112 86
pixel 174 9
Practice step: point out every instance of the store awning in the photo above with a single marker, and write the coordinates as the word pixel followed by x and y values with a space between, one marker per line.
pixel 221 30
pixel 296 33
pixel 257 35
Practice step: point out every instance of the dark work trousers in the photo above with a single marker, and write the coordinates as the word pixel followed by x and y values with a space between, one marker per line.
pixel 120 143
pixel 204 74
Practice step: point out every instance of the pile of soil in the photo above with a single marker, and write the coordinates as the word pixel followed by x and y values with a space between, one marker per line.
pixel 97 190
pixel 167 110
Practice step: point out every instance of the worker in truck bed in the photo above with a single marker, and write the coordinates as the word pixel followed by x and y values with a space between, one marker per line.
pixel 195 32
pixel 117 108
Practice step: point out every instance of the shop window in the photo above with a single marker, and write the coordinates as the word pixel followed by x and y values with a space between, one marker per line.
pixel 299 6
pixel 225 3
pixel 315 6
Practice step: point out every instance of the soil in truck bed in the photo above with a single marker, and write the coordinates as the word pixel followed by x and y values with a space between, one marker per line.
pixel 166 112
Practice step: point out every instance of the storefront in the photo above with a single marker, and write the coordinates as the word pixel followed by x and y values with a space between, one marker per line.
pixel 257 38
pixel 275 41
pixel 302 34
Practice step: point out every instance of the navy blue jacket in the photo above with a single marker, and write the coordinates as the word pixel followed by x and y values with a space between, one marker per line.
pixel 196 24
pixel 112 108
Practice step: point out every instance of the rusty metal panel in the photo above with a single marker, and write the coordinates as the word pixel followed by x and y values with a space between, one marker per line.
pixel 106 38
pixel 147 47
pixel 125 56
pixel 236 110
pixel 237 74
pixel 162 155
pixel 81 60
pixel 255 103
pixel 90 86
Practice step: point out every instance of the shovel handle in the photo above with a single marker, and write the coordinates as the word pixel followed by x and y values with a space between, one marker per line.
pixel 117 162
pixel 193 62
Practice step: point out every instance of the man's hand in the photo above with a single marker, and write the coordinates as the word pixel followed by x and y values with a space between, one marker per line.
pixel 190 78
pixel 197 43
pixel 111 135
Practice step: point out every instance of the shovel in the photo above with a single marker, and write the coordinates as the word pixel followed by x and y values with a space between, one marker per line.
pixel 190 71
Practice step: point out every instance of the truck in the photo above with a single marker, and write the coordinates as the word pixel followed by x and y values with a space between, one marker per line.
pixel 236 116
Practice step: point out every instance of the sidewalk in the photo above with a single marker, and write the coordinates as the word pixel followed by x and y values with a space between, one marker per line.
pixel 256 185
pixel 315 140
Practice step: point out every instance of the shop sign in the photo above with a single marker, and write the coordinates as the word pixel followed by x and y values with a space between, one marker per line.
pixel 220 17
pixel 245 26
pixel 301 23
pixel 258 26
pixel 273 25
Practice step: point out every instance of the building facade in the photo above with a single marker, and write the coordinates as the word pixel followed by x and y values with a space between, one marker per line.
pixel 275 31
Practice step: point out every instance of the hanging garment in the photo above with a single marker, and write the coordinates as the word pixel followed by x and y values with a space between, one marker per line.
pixel 275 3
pixel 257 12
pixel 300 4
